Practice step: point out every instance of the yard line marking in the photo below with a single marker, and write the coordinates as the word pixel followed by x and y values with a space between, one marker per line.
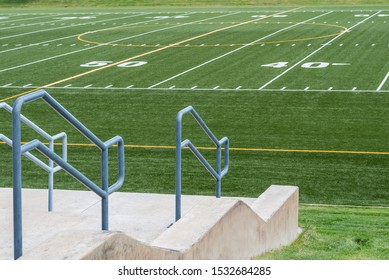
pixel 341 64
pixel 317 50
pixel 125 60
pixel 196 88
pixel 65 54
pixel 62 27
pixel 31 24
pixel 51 15
pixel 383 82
pixel 67 37
pixel 235 50
pixel 97 46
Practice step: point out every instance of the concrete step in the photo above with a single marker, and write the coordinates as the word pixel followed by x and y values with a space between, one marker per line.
pixel 142 226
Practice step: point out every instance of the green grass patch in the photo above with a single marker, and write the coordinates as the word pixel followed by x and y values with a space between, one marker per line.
pixel 339 233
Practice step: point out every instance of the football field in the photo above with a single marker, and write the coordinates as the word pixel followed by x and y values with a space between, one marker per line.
pixel 301 92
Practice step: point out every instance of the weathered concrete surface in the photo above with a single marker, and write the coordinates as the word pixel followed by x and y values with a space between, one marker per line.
pixel 142 225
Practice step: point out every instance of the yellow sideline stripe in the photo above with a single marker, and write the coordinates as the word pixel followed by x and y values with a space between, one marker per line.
pixel 143 54
pixel 342 206
pixel 274 150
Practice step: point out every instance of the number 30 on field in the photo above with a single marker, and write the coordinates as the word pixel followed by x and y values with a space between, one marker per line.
pixel 127 64
pixel 309 65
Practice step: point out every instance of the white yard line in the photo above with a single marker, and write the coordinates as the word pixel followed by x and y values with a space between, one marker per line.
pixel 69 26
pixel 233 51
pixel 74 35
pixel 24 19
pixel 317 50
pixel 32 24
pixel 383 82
pixel 97 46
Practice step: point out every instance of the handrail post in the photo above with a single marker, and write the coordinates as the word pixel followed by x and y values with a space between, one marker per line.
pixel 104 184
pixel 17 181
pixel 217 174
pixel 178 165
pixel 51 178
pixel 218 169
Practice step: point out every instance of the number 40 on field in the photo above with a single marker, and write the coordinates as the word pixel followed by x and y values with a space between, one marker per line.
pixel 309 65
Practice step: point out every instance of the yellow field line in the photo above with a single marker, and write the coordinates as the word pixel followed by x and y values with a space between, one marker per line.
pixel 273 150
pixel 343 206
pixel 80 37
pixel 143 54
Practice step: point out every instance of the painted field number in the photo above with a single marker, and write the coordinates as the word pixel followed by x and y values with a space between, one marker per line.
pixel 102 63
pixel 315 65
pixel 308 65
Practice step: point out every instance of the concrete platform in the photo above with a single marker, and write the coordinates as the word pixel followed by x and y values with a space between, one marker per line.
pixel 142 226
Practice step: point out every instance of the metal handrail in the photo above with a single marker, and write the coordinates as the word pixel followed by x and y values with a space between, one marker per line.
pixel 49 167
pixel 18 149
pixel 217 173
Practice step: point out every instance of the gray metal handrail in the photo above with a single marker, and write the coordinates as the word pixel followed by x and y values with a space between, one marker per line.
pixel 217 173
pixel 49 167
pixel 18 149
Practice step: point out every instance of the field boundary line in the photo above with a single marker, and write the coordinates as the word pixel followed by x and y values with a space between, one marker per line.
pixel 140 55
pixel 317 50
pixel 235 50
pixel 383 82
pixel 133 88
